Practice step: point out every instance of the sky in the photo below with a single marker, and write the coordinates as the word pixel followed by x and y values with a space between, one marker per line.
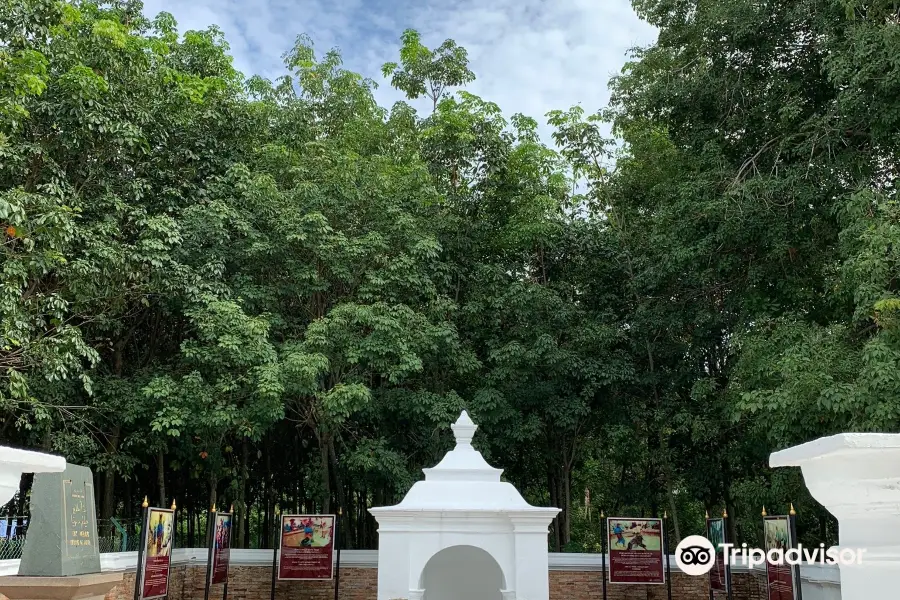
pixel 529 56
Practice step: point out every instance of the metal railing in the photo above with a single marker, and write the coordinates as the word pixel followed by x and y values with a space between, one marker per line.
pixel 114 535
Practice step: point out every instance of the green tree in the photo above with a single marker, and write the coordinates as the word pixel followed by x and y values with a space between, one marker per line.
pixel 424 72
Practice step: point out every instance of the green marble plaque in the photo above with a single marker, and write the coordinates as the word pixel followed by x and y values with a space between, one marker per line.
pixel 62 530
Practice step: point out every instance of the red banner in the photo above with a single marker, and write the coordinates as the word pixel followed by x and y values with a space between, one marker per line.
pixel 718 576
pixel 635 550
pixel 157 553
pixel 779 577
pixel 221 548
pixel 307 547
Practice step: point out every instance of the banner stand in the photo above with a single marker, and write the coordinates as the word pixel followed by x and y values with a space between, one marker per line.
pixel 210 532
pixel 225 589
pixel 665 545
pixel 219 549
pixel 231 522
pixel 725 573
pixel 604 536
pixel 174 526
pixel 336 536
pixel 276 541
pixel 728 584
pixel 145 525
pixel 164 541
pixel 712 594
pixel 798 584
pixel 775 583
pixel 634 559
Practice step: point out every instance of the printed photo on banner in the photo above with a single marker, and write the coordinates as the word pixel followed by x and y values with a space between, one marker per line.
pixel 635 551
pixel 223 531
pixel 221 551
pixel 716 529
pixel 715 533
pixel 307 545
pixel 160 526
pixel 778 533
pixel 159 538
pixel 779 577
pixel 307 532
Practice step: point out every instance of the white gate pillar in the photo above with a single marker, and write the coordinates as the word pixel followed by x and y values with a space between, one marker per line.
pixel 532 561
pixel 856 476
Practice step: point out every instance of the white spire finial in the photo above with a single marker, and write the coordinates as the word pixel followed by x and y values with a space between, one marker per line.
pixel 464 430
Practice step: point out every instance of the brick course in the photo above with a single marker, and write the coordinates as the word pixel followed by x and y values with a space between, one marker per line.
pixel 254 583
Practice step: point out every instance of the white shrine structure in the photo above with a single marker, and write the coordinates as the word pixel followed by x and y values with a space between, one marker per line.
pixel 856 476
pixel 462 534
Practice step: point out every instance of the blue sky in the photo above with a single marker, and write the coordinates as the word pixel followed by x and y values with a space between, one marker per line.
pixel 529 56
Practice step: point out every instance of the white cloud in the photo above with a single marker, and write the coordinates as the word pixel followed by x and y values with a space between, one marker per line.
pixel 530 56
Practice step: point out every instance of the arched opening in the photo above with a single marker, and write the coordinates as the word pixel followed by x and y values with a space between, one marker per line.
pixel 462 573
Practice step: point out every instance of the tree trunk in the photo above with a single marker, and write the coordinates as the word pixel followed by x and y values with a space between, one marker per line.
pixel 338 484
pixel 185 484
pixel 567 503
pixel 261 534
pixel 246 528
pixel 161 477
pixel 270 497
pixel 213 484
pixel 128 513
pixel 241 515
pixel 190 526
pixel 324 464
pixel 349 520
pixel 356 516
pixel 108 507
pixel 823 528
pixel 729 507
pixel 301 490
pixel 673 511
pixel 666 468
pixel 615 506
pixel 554 501
pixel 22 501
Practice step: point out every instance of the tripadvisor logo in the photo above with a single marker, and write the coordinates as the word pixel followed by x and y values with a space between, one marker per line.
pixel 695 555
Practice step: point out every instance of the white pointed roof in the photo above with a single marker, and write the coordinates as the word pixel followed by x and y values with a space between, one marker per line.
pixel 463 481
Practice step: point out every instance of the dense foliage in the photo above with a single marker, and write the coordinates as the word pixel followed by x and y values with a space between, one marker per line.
pixel 279 294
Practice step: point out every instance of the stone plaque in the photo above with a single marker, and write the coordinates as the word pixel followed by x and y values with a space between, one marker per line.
pixel 62 532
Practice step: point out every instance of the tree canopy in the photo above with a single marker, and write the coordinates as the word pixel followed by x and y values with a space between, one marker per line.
pixel 279 294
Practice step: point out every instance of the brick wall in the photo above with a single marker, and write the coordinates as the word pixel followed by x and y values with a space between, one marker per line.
pixel 587 585
pixel 749 586
pixel 254 583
